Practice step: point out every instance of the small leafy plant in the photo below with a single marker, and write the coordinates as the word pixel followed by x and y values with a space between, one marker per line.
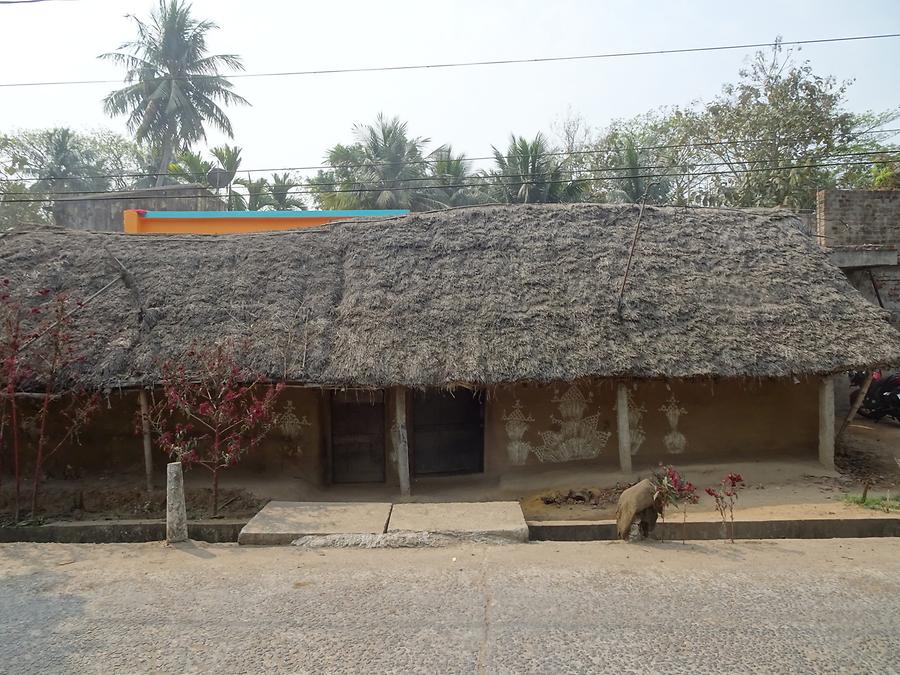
pixel 672 489
pixel 887 503
pixel 726 494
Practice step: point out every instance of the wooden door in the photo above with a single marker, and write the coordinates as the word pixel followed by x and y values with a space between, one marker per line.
pixel 357 437
pixel 447 432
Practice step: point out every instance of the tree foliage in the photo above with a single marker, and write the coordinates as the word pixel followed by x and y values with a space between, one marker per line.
pixel 174 87
pixel 529 172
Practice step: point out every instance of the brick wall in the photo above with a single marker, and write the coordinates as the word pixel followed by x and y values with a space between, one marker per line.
pixel 855 218
pixel 858 217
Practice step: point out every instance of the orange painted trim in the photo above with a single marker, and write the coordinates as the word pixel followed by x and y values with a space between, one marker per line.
pixel 143 222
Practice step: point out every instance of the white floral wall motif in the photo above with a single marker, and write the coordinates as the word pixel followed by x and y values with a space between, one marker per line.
pixel 517 424
pixel 674 441
pixel 578 436
pixel 635 422
pixel 291 427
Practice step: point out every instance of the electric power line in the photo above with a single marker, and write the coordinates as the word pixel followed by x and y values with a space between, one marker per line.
pixel 427 161
pixel 496 62
pixel 575 174
pixel 114 195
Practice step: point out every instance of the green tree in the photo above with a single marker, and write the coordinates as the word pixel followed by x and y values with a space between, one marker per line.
pixel 529 173
pixel 259 193
pixel 451 179
pixel 779 114
pixel 190 167
pixel 281 197
pixel 174 87
pixel 56 160
pixel 383 169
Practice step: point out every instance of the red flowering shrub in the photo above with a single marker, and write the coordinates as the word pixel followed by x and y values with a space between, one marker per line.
pixel 673 489
pixel 39 342
pixel 726 494
pixel 214 414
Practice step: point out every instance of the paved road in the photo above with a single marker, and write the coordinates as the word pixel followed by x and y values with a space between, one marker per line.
pixel 792 606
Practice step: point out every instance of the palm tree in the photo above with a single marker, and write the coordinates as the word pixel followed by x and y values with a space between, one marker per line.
pixel 633 181
pixel 229 159
pixel 173 85
pixel 383 169
pixel 259 193
pixel 528 173
pixel 281 197
pixel 190 167
pixel 452 181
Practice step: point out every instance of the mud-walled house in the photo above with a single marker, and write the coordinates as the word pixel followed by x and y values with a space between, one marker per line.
pixel 485 340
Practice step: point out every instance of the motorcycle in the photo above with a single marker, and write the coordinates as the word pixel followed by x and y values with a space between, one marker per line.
pixel 883 397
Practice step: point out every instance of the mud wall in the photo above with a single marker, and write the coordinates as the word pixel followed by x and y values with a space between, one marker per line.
pixel 111 442
pixel 670 422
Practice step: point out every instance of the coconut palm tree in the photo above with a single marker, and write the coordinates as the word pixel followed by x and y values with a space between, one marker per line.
pixel 281 198
pixel 528 173
pixel 383 169
pixel 452 181
pixel 634 181
pixel 173 85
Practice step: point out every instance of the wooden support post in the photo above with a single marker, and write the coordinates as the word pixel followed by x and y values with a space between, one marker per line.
pixel 148 443
pixel 401 440
pixel 826 422
pixel 857 403
pixel 623 428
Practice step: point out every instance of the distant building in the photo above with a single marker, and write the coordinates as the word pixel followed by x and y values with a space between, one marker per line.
pixel 104 211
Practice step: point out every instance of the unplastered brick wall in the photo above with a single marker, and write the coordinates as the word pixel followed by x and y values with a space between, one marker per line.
pixel 851 217
pixel 864 217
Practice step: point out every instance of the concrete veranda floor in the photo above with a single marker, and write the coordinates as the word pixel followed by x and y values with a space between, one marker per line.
pixel 762 606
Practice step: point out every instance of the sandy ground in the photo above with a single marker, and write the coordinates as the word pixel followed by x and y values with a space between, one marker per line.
pixel 763 606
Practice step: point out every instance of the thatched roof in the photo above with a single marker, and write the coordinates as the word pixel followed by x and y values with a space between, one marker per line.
pixel 480 295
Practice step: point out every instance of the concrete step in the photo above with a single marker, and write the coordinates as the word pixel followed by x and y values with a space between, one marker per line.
pixel 376 525
pixel 280 523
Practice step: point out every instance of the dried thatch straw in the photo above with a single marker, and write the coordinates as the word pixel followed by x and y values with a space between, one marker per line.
pixel 481 295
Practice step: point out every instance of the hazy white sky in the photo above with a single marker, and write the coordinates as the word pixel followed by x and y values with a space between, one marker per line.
pixel 293 120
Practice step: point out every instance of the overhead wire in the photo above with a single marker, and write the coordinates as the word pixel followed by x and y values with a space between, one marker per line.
pixel 111 195
pixel 428 161
pixel 486 62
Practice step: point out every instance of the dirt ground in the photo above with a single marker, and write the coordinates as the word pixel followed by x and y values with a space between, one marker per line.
pixel 787 489
pixel 120 498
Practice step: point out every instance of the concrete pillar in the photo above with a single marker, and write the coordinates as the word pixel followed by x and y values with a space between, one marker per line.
pixel 176 513
pixel 400 439
pixel 623 429
pixel 826 422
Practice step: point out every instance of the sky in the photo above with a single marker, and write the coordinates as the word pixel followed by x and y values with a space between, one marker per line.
pixel 293 120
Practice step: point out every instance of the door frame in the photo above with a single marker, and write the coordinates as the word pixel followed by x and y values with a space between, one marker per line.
pixel 411 434
pixel 326 419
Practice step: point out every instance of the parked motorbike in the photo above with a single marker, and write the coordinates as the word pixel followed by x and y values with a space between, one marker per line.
pixel 883 397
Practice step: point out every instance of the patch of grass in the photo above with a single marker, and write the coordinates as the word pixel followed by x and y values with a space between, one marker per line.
pixel 886 504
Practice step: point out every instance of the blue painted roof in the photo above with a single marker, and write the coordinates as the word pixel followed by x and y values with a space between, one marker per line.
pixel 276 214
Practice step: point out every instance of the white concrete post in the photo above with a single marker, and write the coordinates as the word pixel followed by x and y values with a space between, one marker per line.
pixel 176 513
pixel 623 429
pixel 826 422
pixel 400 437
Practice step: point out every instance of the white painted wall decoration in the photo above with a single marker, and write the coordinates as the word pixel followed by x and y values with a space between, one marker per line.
pixel 291 427
pixel 517 424
pixel 636 423
pixel 675 441
pixel 578 436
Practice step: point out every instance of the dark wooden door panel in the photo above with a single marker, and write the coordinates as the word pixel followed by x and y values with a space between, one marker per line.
pixel 357 441
pixel 448 433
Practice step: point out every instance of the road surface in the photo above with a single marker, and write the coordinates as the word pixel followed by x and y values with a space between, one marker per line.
pixel 762 606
